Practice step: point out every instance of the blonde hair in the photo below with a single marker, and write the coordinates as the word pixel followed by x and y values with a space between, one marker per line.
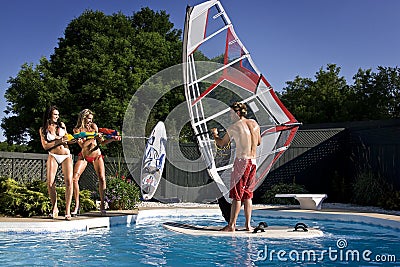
pixel 81 118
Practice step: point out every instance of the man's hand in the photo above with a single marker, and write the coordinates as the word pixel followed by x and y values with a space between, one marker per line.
pixel 214 132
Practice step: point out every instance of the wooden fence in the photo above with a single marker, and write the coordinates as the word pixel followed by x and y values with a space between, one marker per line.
pixel 317 158
pixel 26 167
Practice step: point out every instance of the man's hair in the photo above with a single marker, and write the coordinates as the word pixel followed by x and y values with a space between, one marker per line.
pixel 239 107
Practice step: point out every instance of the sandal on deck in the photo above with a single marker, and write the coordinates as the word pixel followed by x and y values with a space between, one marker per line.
pixel 76 213
pixel 54 214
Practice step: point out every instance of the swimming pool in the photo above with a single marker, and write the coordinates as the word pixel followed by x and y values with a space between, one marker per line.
pixel 147 243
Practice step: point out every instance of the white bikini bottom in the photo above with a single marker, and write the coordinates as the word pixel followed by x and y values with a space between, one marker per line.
pixel 60 158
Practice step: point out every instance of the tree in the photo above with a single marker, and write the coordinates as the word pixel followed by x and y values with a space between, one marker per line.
pixel 373 96
pixel 28 96
pixel 99 64
pixel 376 95
pixel 322 100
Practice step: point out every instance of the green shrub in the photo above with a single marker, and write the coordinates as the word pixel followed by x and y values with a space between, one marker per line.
pixel 32 199
pixel 121 193
pixel 19 200
pixel 368 189
pixel 372 189
pixel 86 203
pixel 269 196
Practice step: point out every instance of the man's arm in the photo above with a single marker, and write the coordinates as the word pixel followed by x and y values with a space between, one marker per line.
pixel 221 142
pixel 258 134
pixel 255 131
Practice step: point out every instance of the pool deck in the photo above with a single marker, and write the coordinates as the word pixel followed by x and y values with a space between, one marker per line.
pixel 94 220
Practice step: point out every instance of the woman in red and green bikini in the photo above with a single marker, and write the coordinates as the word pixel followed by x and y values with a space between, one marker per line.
pixel 90 153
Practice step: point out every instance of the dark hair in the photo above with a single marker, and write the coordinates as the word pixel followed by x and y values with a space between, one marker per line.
pixel 46 118
pixel 239 107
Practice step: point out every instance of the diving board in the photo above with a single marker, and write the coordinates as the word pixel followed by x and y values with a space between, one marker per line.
pixel 307 201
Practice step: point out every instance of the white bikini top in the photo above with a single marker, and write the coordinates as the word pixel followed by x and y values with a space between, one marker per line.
pixel 51 137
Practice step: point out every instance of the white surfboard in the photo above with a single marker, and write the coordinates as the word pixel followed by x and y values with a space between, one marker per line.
pixel 280 232
pixel 153 161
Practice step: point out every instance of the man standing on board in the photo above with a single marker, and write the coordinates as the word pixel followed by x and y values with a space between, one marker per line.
pixel 246 133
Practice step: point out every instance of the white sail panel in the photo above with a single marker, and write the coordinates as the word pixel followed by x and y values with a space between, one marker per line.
pixel 270 100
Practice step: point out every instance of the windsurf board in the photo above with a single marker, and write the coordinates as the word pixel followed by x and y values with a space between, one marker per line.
pixel 279 232
pixel 153 161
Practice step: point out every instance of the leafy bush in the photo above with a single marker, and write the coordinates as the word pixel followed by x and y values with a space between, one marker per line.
pixel 269 196
pixel 372 189
pixel 31 199
pixel 86 203
pixel 121 193
pixel 19 200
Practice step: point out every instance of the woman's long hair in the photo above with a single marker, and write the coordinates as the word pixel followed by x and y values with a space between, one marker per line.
pixel 47 117
pixel 81 118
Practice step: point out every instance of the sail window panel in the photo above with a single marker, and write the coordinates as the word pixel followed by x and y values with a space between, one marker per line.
pixel 266 97
pixel 275 108
pixel 268 144
pixel 212 49
pixel 266 154
pixel 248 67
pixel 204 23
pixel 215 21
pixel 229 92
pixel 197 32
pixel 263 167
pixel 258 112
pixel 218 110
pixel 283 139
pixel 223 85
pixel 223 48
pixel 226 177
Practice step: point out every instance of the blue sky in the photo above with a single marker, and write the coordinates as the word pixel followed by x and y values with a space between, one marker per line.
pixel 285 38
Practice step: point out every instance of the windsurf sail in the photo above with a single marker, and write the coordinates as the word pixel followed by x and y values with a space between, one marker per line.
pixel 218 70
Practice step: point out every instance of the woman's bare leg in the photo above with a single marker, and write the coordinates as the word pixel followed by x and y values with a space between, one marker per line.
pixel 79 168
pixel 101 174
pixel 67 168
pixel 52 167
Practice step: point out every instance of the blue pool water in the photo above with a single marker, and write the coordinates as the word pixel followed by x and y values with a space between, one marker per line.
pixel 147 243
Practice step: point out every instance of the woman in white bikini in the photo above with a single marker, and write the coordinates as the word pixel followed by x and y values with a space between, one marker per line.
pixel 90 153
pixel 52 136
